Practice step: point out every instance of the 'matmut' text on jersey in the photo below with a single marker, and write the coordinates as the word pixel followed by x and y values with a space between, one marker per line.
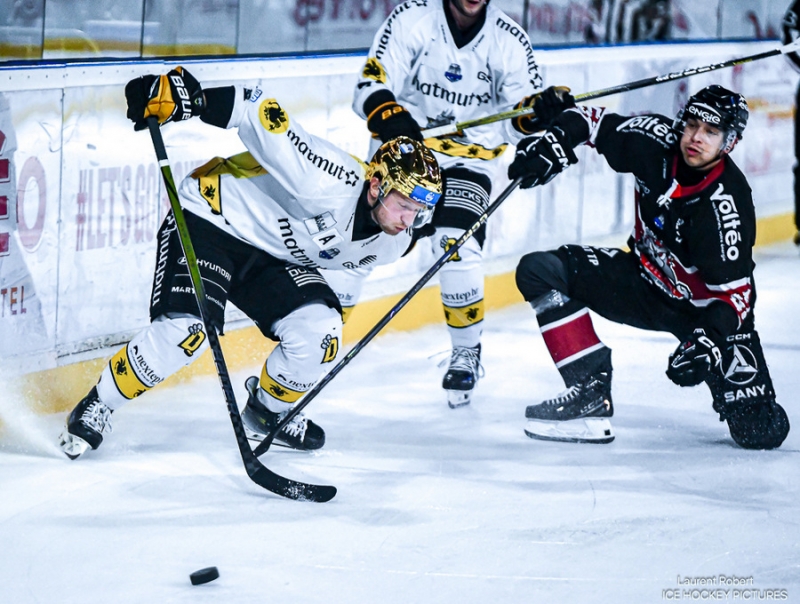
pixel 293 195
pixel 416 58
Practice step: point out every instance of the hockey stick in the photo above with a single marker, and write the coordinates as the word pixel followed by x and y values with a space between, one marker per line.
pixel 588 96
pixel 267 442
pixel 257 472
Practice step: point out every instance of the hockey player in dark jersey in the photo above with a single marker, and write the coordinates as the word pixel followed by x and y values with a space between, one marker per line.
pixel 688 270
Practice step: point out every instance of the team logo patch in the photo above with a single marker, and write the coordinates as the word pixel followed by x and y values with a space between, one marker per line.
pixel 273 117
pixel 453 73
pixel 329 254
pixel 209 190
pixel 279 391
pixel 125 379
pixel 459 318
pixel 330 345
pixel 373 70
pixel 743 368
pixel 446 243
pixel 194 340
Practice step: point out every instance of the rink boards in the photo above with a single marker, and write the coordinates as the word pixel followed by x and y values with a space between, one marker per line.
pixel 81 197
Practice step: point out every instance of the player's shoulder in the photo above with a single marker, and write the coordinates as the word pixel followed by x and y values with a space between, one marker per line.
pixel 505 29
pixel 731 193
pixel 414 11
pixel 734 175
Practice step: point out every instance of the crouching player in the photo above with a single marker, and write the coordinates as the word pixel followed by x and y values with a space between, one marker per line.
pixel 688 270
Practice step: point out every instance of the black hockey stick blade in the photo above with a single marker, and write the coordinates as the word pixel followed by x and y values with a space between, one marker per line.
pixel 286 487
pixel 258 472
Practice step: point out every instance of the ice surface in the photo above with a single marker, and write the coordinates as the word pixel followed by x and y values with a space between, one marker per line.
pixel 434 505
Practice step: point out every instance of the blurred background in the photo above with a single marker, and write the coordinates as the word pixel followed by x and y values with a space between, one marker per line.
pixel 65 29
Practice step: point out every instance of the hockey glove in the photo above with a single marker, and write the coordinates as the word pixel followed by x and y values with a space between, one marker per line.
pixel 540 157
pixel 170 98
pixel 694 359
pixel 391 120
pixel 547 106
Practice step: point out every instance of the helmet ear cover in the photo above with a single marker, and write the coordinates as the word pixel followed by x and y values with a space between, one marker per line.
pixel 409 167
pixel 719 107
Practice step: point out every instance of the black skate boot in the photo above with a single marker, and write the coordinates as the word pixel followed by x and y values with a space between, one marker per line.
pixel 462 375
pixel 579 414
pixel 85 426
pixel 301 433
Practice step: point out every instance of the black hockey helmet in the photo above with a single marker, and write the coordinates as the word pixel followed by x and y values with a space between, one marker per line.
pixel 719 107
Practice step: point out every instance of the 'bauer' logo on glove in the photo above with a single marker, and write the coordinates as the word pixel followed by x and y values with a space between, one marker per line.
pixel 173 97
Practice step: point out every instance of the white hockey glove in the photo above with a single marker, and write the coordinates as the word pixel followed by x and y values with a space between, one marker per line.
pixel 693 359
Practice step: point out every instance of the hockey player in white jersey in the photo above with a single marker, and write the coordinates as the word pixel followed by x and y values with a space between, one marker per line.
pixel 437 62
pixel 262 223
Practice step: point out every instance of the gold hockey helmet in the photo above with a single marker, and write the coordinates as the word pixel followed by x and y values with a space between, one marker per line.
pixel 407 166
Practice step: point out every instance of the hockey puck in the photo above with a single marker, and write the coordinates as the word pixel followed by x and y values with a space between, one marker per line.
pixel 204 575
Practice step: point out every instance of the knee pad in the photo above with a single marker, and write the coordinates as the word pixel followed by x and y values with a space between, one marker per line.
pixel 309 342
pixel 169 343
pixel 468 256
pixel 539 273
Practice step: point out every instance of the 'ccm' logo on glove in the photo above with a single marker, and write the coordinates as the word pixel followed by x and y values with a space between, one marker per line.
pixel 694 359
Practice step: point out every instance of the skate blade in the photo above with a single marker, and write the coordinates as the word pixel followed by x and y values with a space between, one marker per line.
pixel 584 430
pixel 458 398
pixel 72 446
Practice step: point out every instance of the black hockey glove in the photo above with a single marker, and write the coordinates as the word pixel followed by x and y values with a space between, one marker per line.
pixel 171 98
pixel 540 157
pixel 547 106
pixel 391 120
pixel 693 359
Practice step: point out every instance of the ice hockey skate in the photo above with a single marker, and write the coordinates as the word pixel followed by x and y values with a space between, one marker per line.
pixel 87 423
pixel 301 433
pixel 462 375
pixel 579 414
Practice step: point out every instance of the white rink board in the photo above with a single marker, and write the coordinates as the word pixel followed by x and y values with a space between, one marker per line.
pixel 78 267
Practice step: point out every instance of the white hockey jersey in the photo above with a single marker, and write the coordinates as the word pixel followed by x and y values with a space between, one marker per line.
pixel 415 57
pixel 292 194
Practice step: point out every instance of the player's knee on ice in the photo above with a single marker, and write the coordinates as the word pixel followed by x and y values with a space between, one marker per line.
pixel 540 272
